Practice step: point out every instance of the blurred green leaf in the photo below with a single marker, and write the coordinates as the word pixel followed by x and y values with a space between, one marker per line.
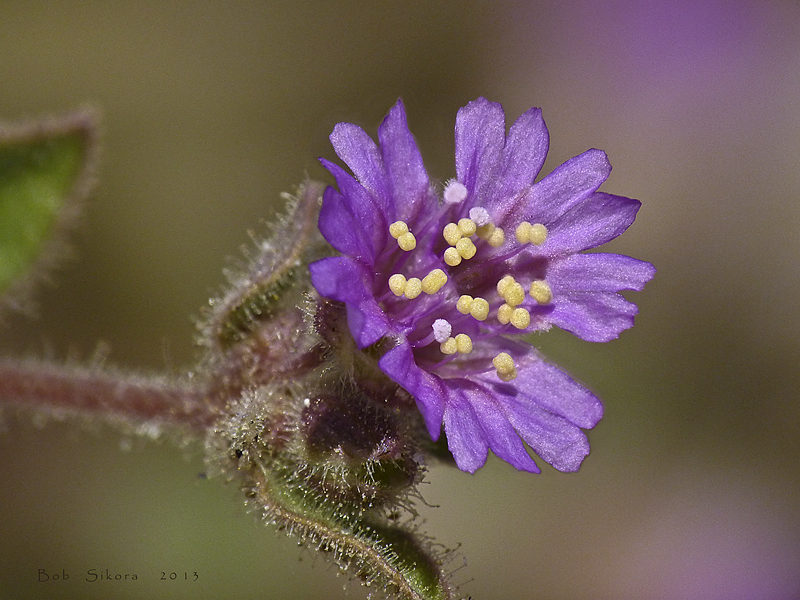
pixel 44 172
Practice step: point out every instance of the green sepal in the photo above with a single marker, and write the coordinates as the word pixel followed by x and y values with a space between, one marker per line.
pixel 45 170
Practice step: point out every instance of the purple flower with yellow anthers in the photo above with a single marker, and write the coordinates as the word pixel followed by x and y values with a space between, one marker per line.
pixel 448 279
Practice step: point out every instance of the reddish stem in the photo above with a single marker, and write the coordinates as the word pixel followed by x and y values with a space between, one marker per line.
pixel 91 391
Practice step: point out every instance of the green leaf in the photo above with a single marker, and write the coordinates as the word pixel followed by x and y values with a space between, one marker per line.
pixel 45 170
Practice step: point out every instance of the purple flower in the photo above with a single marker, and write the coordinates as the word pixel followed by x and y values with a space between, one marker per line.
pixel 449 278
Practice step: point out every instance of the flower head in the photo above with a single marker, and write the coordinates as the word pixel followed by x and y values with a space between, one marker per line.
pixel 451 278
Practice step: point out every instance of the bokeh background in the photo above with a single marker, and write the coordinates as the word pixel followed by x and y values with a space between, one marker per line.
pixel 211 110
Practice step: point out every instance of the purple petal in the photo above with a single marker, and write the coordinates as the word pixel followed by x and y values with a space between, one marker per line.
pixel 480 137
pixel 522 158
pixel 595 221
pixel 465 437
pixel 592 316
pixel 408 180
pixel 351 220
pixel 567 185
pixel 553 390
pixel 495 428
pixel 601 272
pixel 559 442
pixel 340 278
pixel 428 390
pixel 361 154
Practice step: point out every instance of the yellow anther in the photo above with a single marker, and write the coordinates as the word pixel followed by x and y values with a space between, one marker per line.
pixel 541 292
pixel 449 347
pixel 497 238
pixel 407 241
pixel 504 364
pixel 504 283
pixel 463 343
pixel 413 288
pixel 538 234
pixel 397 283
pixel 520 318
pixel 504 314
pixel 398 228
pixel 466 248
pixel 433 281
pixel 451 233
pixel 464 304
pixel 513 294
pixel 452 257
pixel 484 231
pixel 523 232
pixel 479 309
pixel 467 227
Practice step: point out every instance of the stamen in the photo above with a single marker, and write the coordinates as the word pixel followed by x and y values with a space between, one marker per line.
pixel 541 292
pixel 441 330
pixel 480 215
pixel 479 309
pixel 433 281
pixel 452 257
pixel 520 318
pixel 513 294
pixel 496 238
pixel 451 233
pixel 467 227
pixel 503 284
pixel 536 234
pixel 397 283
pixel 413 288
pixel 464 304
pixel 450 346
pixel 398 228
pixel 504 314
pixel 455 192
pixel 504 364
pixel 466 248
pixel 407 241
pixel 484 231
pixel 463 343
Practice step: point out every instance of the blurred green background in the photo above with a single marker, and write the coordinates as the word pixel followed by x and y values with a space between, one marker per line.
pixel 210 110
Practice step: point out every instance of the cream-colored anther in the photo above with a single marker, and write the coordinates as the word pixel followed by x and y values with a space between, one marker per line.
pixel 497 238
pixel 514 294
pixel 537 234
pixel 452 257
pixel 479 309
pixel 523 232
pixel 466 248
pixel 541 292
pixel 398 228
pixel 407 241
pixel 451 233
pixel 397 283
pixel 504 314
pixel 504 283
pixel 449 347
pixel 464 304
pixel 413 288
pixel 433 281
pixel 504 364
pixel 484 231
pixel 520 318
pixel 467 227
pixel 463 343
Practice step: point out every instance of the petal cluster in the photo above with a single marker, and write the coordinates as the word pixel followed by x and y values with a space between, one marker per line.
pixel 452 276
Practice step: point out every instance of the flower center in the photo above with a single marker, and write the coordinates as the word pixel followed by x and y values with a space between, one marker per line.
pixel 461 238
